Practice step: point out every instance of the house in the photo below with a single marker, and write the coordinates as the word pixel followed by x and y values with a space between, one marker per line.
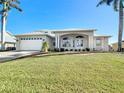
pixel 10 40
pixel 68 39
pixel 115 46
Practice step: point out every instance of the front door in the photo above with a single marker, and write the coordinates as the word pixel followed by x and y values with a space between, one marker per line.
pixel 78 43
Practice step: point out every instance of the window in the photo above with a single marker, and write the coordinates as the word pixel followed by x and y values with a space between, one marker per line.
pixel 66 42
pixel 81 43
pixel 21 38
pixel 54 44
pixel 73 43
pixel 98 42
pixel 79 37
pixel 65 38
pixel 105 41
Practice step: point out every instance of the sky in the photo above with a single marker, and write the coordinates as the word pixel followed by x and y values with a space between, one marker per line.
pixel 63 14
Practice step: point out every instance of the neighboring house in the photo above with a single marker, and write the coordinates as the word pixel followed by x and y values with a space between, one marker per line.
pixel 10 40
pixel 70 39
pixel 115 46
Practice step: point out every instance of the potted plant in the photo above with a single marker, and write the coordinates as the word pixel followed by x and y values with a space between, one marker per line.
pixel 45 47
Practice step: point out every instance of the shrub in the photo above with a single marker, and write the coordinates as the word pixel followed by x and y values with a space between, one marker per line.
pixel 10 48
pixel 76 50
pixel 49 49
pixel 45 46
pixel 13 48
pixel 62 49
pixel 87 49
pixel 71 49
pixel 56 49
pixel 66 50
pixel 79 49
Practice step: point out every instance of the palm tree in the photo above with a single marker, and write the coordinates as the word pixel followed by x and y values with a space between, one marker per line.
pixel 118 6
pixel 6 6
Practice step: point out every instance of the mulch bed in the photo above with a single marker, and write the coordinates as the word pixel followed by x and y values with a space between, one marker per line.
pixel 65 53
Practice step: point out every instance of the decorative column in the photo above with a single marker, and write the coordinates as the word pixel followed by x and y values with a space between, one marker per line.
pixel 59 41
pixel 103 44
pixel 94 41
pixel 91 42
pixel 56 41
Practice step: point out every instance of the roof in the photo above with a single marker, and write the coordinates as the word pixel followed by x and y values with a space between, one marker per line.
pixel 72 30
pixel 52 31
pixel 9 37
pixel 102 36
pixel 36 33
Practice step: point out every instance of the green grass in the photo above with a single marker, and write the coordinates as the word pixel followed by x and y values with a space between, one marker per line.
pixel 97 73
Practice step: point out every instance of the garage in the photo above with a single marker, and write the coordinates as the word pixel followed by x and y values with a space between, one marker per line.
pixel 33 41
pixel 30 44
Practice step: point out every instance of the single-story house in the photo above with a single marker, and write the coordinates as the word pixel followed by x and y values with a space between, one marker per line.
pixel 10 40
pixel 68 39
pixel 115 45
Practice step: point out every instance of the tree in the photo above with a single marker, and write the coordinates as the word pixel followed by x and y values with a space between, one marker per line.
pixel 6 6
pixel 118 6
pixel 45 47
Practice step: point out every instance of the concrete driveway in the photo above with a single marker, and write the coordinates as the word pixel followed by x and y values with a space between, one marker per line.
pixel 11 55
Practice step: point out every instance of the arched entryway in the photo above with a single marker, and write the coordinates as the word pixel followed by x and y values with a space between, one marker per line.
pixel 74 41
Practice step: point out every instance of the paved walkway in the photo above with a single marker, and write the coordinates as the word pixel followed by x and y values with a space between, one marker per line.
pixel 11 55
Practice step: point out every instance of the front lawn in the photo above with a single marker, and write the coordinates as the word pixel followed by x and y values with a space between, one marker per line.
pixel 95 73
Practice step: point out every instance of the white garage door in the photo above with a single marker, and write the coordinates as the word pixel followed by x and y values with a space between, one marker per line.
pixel 31 44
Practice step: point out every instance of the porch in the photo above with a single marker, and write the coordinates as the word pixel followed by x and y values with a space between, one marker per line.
pixel 74 41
